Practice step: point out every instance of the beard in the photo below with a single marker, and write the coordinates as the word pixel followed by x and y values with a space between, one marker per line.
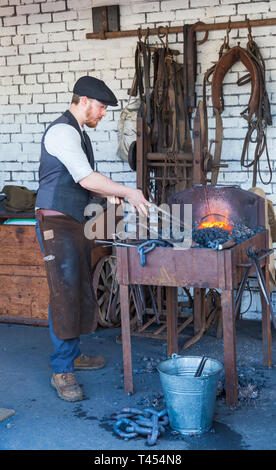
pixel 91 124
pixel 92 120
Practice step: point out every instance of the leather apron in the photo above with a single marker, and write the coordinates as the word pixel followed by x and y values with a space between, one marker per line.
pixel 73 304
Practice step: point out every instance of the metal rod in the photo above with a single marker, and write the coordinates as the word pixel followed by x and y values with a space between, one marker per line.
pixel 170 217
pixel 107 317
pixel 154 306
pixel 201 366
pixel 247 265
pixel 165 156
pixel 241 290
pixel 138 306
pixel 262 283
pixel 142 297
pixel 179 29
pixel 108 243
pixel 165 164
pixel 170 178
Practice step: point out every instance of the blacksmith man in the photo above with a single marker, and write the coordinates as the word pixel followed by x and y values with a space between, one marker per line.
pixel 67 181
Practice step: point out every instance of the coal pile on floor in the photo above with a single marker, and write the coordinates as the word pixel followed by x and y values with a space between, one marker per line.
pixel 250 384
pixel 239 234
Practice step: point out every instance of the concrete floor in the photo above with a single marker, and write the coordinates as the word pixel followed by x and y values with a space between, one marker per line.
pixel 42 421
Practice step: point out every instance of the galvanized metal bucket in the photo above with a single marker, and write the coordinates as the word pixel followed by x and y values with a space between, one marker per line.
pixel 190 400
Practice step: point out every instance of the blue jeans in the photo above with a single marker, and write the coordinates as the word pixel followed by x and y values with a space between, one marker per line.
pixel 65 351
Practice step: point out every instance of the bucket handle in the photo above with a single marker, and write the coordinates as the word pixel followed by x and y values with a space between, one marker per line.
pixel 174 356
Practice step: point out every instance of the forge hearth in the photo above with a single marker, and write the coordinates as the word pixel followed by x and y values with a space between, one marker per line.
pixel 222 213
pixel 229 203
pixel 201 269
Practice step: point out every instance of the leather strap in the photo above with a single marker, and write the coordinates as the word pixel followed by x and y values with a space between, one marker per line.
pixel 224 64
pixel 218 146
pixel 165 114
pixel 257 112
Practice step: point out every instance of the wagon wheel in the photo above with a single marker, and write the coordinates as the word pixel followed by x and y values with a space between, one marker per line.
pixel 106 289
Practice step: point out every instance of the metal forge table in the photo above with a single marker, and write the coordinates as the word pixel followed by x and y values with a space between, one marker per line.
pixel 198 268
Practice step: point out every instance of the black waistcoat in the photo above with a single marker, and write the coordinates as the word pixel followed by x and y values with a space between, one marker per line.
pixel 57 189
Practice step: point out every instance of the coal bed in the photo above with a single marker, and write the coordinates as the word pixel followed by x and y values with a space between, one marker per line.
pixel 239 233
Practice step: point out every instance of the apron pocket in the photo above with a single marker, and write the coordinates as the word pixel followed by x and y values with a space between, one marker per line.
pixel 51 272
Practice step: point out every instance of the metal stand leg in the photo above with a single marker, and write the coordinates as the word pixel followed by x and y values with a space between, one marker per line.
pixel 199 302
pixel 172 313
pixel 229 338
pixel 266 324
pixel 126 341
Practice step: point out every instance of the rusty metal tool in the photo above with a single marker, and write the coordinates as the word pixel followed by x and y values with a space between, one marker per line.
pixel 106 243
pixel 170 217
pixel 241 290
pixel 221 246
pixel 137 304
pixel 154 306
pixel 253 254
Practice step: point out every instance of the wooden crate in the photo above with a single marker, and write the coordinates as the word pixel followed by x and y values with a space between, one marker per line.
pixel 24 289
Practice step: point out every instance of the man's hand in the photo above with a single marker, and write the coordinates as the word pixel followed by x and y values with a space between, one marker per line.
pixel 101 184
pixel 137 201
pixel 116 200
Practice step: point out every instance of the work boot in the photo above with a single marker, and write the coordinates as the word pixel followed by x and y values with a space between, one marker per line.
pixel 67 387
pixel 85 362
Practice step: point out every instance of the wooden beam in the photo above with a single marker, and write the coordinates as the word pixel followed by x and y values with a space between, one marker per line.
pixel 179 29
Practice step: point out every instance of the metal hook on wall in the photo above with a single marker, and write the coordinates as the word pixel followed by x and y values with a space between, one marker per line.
pixel 161 35
pixel 206 35
pixel 139 34
pixel 167 38
pixel 226 38
pixel 147 35
pixel 249 36
pixel 225 45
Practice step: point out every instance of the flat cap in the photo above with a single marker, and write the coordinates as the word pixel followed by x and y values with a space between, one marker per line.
pixel 96 89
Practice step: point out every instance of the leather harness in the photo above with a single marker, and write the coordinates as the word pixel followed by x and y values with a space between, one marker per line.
pixel 166 89
pixel 257 112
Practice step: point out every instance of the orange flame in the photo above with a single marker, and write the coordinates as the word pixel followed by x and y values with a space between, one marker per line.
pixel 219 224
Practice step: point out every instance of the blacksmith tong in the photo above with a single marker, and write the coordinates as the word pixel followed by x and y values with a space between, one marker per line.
pixel 253 254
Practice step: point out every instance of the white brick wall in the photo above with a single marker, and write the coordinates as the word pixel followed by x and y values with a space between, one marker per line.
pixel 44 50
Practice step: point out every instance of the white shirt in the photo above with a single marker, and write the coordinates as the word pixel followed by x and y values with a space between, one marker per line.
pixel 64 142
